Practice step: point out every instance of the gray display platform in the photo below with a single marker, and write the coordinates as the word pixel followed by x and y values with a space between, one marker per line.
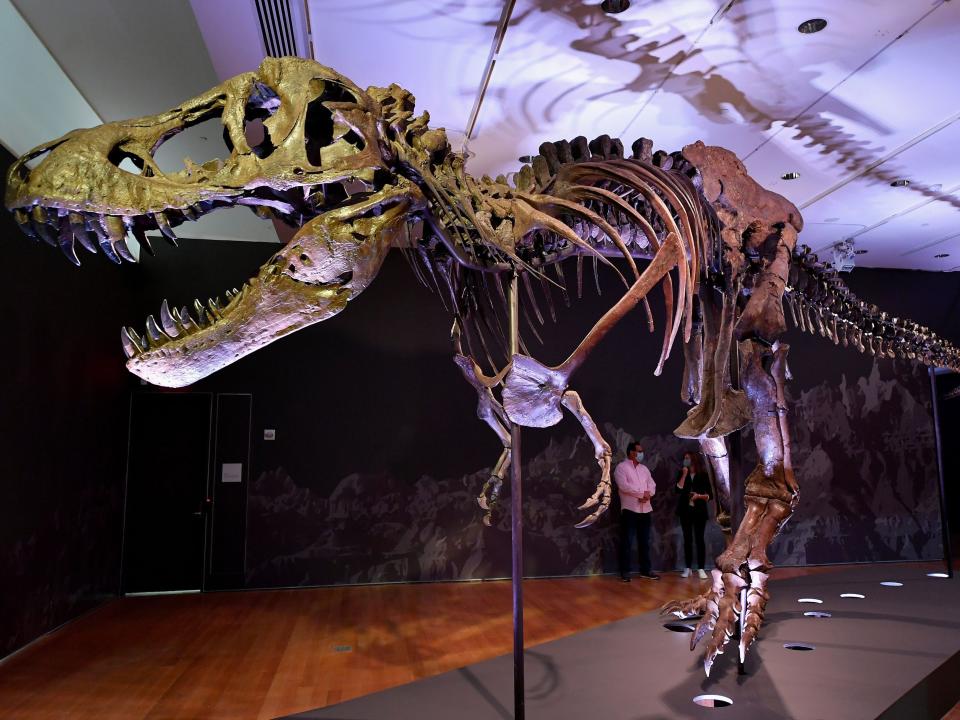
pixel 893 654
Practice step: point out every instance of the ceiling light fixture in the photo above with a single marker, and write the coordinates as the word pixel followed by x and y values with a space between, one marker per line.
pixel 843 253
pixel 813 25
pixel 614 6
pixel 790 176
pixel 942 255
pixel 903 182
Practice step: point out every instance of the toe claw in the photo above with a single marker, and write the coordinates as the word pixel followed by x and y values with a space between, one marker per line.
pixel 589 503
pixel 705 626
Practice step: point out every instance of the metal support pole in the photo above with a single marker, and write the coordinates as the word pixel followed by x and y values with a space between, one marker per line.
pixel 735 451
pixel 741 626
pixel 516 521
pixel 736 497
pixel 944 520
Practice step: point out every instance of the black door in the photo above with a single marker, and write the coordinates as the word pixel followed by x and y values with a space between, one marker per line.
pixel 167 481
pixel 231 471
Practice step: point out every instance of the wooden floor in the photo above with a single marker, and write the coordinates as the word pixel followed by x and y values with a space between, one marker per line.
pixel 269 653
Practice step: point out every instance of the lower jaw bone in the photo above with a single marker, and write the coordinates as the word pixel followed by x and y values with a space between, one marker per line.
pixel 271 308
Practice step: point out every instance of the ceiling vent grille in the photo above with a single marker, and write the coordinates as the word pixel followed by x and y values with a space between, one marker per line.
pixel 277 28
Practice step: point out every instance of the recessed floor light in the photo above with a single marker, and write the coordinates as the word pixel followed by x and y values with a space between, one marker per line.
pixel 942 255
pixel 891 583
pixel 938 575
pixel 902 182
pixel 713 701
pixel 812 26
pixel 790 176
pixel 614 6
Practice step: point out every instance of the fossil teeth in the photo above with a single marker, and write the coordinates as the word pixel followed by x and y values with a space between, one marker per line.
pixel 203 317
pixel 40 230
pixel 187 321
pixel 142 239
pixel 129 348
pixel 133 341
pixel 79 227
pixel 118 236
pixel 154 331
pixel 99 228
pixel 39 215
pixel 214 306
pixel 167 321
pixel 66 242
pixel 165 228
pixel 23 220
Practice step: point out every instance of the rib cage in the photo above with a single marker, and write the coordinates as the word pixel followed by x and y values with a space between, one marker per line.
pixel 815 297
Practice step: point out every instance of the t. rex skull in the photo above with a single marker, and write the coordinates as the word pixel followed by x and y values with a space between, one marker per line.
pixel 320 166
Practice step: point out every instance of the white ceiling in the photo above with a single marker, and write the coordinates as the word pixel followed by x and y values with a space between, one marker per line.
pixel 872 98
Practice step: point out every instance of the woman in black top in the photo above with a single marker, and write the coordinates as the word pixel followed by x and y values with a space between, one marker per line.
pixel 693 491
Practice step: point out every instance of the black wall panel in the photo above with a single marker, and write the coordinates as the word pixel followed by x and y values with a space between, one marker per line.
pixel 63 433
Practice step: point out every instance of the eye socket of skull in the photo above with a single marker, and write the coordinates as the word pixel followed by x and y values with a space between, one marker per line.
pixel 328 134
pixel 261 105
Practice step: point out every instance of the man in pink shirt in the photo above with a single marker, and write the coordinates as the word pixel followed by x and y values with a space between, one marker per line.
pixel 636 487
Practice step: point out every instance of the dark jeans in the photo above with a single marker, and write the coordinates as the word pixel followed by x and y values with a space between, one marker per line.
pixel 693 526
pixel 634 525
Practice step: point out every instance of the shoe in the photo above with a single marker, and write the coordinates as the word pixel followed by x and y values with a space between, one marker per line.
pixel 624 578
pixel 685 573
pixel 650 576
pixel 702 573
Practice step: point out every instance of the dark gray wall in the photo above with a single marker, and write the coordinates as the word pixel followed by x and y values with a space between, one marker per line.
pixel 63 429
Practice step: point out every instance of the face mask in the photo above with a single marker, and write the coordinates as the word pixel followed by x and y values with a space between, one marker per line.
pixel 640 456
pixel 686 462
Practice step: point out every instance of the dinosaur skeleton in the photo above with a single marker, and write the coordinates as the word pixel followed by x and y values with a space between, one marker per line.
pixel 357 173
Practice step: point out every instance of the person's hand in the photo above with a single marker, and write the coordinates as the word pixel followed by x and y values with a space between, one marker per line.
pixel 686 471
